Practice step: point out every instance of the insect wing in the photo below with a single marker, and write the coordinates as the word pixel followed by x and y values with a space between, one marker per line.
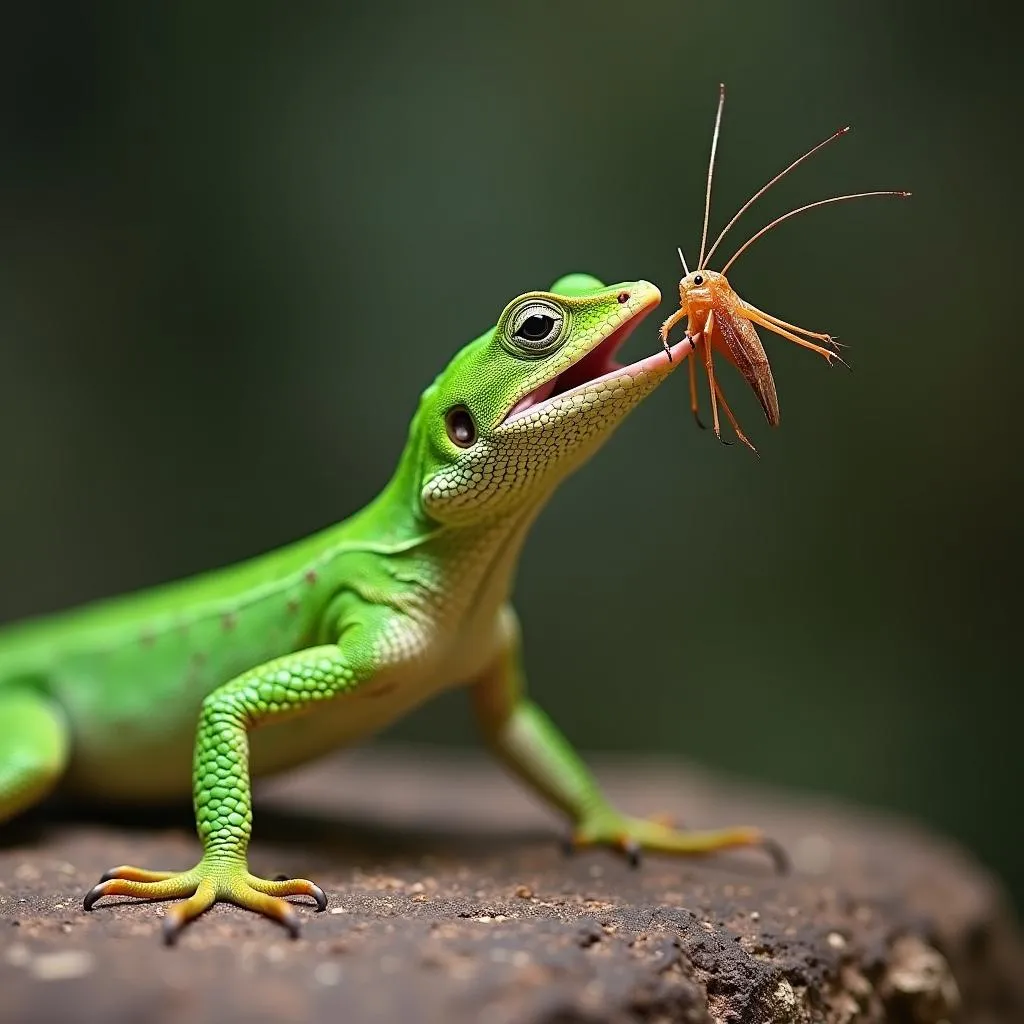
pixel 742 346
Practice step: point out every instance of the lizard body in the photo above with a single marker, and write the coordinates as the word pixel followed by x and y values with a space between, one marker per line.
pixel 263 665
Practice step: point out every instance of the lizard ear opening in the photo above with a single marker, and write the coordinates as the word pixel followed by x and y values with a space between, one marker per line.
pixel 460 426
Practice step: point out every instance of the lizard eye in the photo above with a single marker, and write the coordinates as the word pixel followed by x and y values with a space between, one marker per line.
pixel 535 329
pixel 460 426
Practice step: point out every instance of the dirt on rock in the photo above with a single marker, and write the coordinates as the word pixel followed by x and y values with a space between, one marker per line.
pixel 451 900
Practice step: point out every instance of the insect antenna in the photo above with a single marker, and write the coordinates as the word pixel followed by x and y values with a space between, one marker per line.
pixel 711 172
pixel 803 209
pixel 778 177
pixel 682 259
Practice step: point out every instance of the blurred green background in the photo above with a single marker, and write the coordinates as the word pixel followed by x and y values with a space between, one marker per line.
pixel 238 240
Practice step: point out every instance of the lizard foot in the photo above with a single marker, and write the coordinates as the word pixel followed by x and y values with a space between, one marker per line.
pixel 207 883
pixel 631 836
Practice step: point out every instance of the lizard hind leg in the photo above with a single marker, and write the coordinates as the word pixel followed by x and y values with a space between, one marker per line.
pixel 530 744
pixel 33 748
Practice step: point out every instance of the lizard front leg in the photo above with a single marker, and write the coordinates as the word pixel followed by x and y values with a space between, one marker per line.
pixel 529 743
pixel 271 692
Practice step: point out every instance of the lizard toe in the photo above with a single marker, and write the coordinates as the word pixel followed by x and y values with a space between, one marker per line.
pixel 188 910
pixel 290 887
pixel 172 887
pixel 136 874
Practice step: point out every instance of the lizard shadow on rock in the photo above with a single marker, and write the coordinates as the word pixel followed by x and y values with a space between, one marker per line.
pixel 341 838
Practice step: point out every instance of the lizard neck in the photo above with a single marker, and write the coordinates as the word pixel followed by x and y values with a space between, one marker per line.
pixel 396 516
pixel 475 565
pixel 469 568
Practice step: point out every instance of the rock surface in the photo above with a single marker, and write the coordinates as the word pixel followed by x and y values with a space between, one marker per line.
pixel 451 901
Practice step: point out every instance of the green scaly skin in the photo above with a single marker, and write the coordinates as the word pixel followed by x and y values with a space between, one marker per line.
pixel 323 642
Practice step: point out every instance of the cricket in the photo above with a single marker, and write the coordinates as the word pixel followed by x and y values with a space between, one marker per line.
pixel 720 320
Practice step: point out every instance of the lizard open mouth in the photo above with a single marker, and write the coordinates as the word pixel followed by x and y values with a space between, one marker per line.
pixel 598 364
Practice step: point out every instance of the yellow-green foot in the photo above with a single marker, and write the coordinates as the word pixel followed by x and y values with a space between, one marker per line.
pixel 206 884
pixel 632 836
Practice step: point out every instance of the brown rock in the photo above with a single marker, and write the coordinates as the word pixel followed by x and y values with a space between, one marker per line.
pixel 450 901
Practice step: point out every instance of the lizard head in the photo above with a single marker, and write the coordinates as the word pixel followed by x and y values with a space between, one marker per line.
pixel 521 407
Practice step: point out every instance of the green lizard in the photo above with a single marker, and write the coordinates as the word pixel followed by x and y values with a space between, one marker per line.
pixel 263 665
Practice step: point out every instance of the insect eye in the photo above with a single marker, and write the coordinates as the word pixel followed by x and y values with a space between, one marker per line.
pixel 460 426
pixel 535 329
pixel 698 279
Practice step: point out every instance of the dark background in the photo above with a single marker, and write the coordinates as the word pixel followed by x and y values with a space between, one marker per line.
pixel 238 240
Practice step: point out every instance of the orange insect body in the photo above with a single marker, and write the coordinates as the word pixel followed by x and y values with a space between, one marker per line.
pixel 718 320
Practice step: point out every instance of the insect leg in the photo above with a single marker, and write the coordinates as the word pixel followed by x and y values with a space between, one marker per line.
pixel 758 318
pixel 667 326
pixel 694 402
pixel 709 365
pixel 793 327
pixel 732 419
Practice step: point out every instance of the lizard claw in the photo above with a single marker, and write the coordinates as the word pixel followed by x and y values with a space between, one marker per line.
pixel 777 853
pixel 631 850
